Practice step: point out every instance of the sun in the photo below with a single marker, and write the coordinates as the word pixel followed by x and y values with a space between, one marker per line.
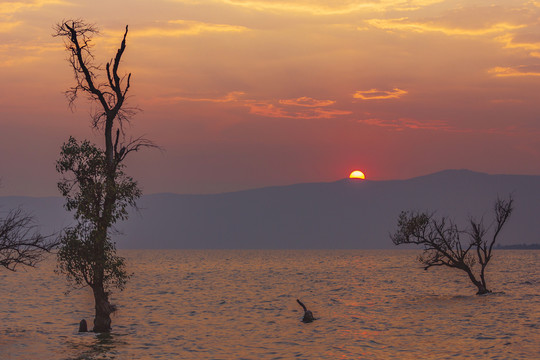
pixel 357 174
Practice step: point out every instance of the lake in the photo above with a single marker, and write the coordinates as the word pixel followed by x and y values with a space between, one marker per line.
pixel 241 304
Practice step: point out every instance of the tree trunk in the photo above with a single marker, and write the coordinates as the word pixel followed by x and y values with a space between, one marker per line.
pixel 482 289
pixel 102 321
pixel 480 285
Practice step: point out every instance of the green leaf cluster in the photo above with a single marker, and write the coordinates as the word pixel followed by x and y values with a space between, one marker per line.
pixel 86 255
pixel 78 259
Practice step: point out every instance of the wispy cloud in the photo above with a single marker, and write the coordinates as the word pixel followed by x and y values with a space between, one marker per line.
pixel 407 25
pixel 22 54
pixel 179 28
pixel 329 8
pixel 298 108
pixel 11 7
pixel 510 42
pixel 233 96
pixel 374 94
pixel 8 26
pixel 307 102
pixel 309 7
pixel 271 110
pixel 10 11
pixel 402 124
pixel 515 71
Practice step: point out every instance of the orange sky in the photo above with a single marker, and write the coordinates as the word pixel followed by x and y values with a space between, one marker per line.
pixel 251 93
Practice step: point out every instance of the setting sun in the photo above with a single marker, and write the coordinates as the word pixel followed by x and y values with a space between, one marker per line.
pixel 357 174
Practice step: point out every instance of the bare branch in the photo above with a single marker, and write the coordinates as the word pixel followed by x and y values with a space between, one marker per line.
pixel 110 95
pixel 134 145
pixel 20 242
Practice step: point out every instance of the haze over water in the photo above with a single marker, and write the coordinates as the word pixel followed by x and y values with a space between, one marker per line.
pixel 240 304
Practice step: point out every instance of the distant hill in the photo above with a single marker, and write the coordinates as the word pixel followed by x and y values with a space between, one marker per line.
pixel 342 214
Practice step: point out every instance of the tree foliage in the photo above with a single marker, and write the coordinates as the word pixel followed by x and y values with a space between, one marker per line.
pixel 83 185
pixel 444 244
pixel 20 241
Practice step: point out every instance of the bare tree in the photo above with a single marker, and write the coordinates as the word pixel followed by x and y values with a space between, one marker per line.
pixel 97 189
pixel 446 245
pixel 20 241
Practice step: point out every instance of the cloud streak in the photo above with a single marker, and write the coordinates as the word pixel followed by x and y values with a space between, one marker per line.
pixel 374 94
pixel 298 108
pixel 405 24
pixel 271 110
pixel 12 55
pixel 233 96
pixel 403 124
pixel 517 71
pixel 11 7
pixel 307 102
pixel 178 28
pixel 329 8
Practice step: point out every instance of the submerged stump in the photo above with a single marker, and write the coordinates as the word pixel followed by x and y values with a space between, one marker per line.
pixel 83 326
pixel 308 315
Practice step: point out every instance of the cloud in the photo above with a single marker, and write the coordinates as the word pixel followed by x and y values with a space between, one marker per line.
pixel 9 26
pixel 510 42
pixel 531 70
pixel 328 8
pixel 312 7
pixel 21 54
pixel 11 7
pixel 404 24
pixel 9 12
pixel 233 96
pixel 271 110
pixel 307 102
pixel 402 124
pixel 374 94
pixel 178 28
pixel 299 108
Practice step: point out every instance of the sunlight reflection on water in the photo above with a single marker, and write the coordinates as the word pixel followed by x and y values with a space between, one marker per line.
pixel 239 304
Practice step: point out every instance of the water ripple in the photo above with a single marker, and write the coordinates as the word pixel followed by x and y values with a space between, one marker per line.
pixel 242 305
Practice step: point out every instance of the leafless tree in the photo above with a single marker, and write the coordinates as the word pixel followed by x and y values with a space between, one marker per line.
pixel 445 244
pixel 20 241
pixel 109 93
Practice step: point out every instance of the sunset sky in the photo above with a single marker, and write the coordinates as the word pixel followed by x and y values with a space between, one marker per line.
pixel 252 93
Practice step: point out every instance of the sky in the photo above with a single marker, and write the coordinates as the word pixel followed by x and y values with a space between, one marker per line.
pixel 243 94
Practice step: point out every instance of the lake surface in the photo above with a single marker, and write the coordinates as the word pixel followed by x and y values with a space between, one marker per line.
pixel 241 304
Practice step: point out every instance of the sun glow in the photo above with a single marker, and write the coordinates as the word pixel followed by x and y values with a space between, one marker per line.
pixel 357 174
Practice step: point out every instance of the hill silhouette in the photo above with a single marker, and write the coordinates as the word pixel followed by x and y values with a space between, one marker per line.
pixel 342 214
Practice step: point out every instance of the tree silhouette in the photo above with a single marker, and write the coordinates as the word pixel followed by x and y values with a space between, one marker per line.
pixel 94 183
pixel 444 245
pixel 20 241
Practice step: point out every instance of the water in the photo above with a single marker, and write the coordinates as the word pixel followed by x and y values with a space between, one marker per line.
pixel 229 304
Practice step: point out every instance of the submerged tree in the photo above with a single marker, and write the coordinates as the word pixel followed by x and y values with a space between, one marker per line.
pixel 20 241
pixel 94 183
pixel 444 244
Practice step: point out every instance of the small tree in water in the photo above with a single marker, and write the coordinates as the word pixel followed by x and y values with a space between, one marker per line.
pixel 94 183
pixel 444 244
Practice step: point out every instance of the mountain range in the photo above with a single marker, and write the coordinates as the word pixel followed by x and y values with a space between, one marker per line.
pixel 345 214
